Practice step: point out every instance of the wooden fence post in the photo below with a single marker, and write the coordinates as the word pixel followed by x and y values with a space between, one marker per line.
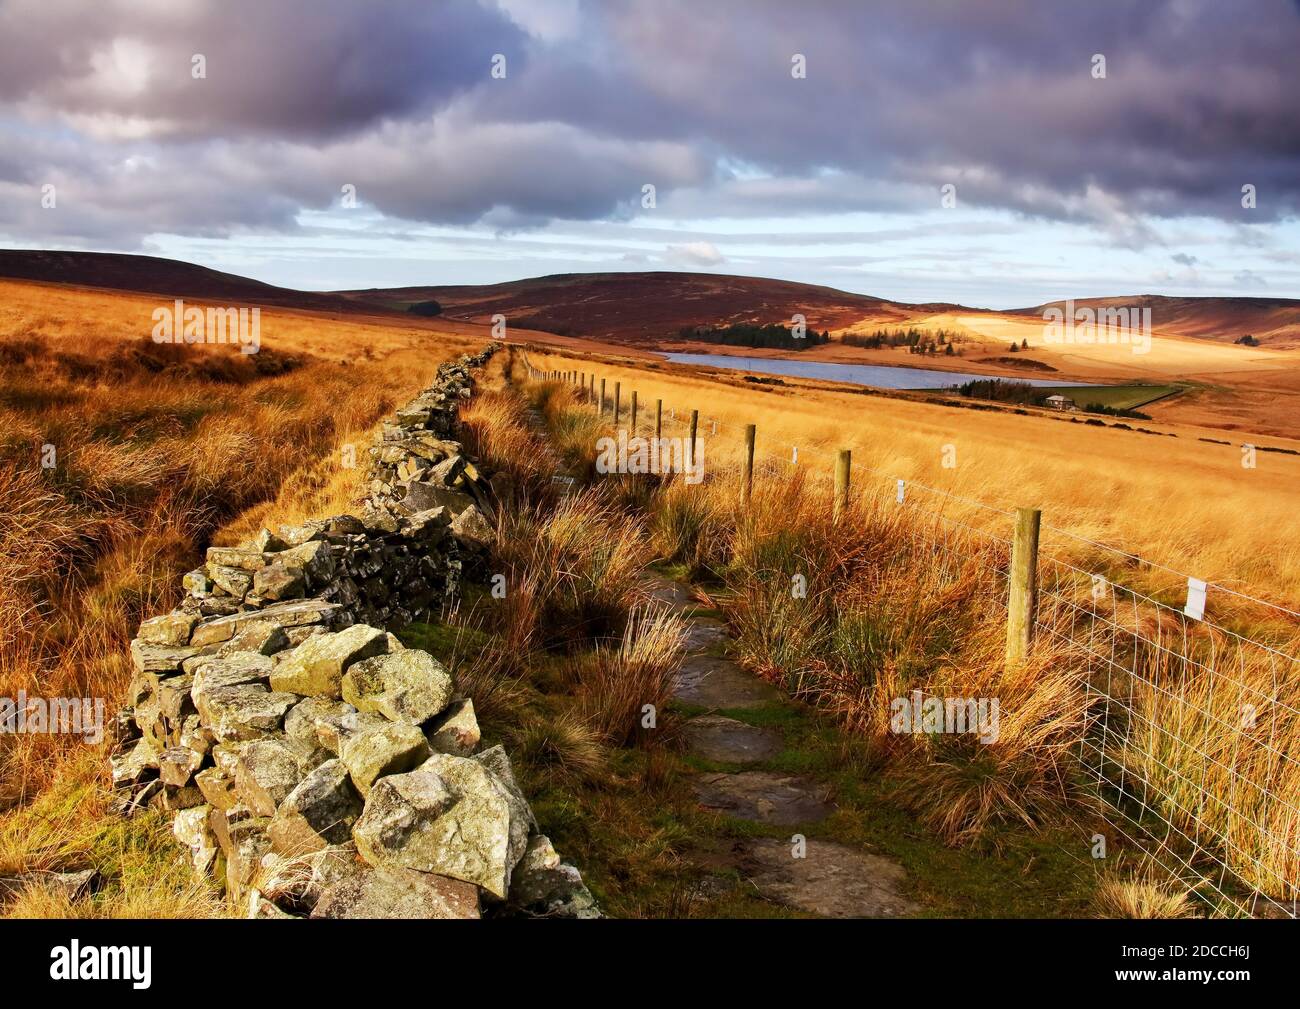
pixel 659 420
pixel 592 397
pixel 632 422
pixel 690 448
pixel 747 489
pixel 601 410
pixel 843 462
pixel 1022 602
pixel 618 392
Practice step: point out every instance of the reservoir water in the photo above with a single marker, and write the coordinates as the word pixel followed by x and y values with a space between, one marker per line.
pixel 881 376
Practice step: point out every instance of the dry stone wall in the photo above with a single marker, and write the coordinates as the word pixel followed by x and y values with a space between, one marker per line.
pixel 314 765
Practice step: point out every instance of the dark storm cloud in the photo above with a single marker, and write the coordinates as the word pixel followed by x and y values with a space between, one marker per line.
pixel 297 68
pixel 395 97
pixel 996 98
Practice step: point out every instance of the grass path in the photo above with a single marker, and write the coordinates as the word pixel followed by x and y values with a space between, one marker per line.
pixel 762 806
pixel 761 770
pixel 738 776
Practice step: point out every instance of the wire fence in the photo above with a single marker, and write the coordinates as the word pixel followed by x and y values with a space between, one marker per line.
pixel 1188 744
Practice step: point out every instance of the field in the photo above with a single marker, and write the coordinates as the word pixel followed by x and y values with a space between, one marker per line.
pixel 1168 495
pixel 1107 703
pixel 1230 386
pixel 152 451
pixel 161 450
pixel 1117 397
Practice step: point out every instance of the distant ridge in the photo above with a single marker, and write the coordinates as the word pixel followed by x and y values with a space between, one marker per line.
pixel 1272 321
pixel 634 307
pixel 650 306
pixel 169 277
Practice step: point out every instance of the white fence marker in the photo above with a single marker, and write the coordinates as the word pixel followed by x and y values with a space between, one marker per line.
pixel 794 455
pixel 901 491
pixel 1195 607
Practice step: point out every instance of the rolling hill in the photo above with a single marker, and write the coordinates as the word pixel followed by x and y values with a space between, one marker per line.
pixel 1274 322
pixel 648 307
pixel 634 308
pixel 169 277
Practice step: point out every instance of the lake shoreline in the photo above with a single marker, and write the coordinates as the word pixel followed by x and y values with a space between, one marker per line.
pixel 899 377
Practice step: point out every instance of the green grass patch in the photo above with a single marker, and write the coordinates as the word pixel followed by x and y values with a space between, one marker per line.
pixel 444 641
pixel 1117 397
pixel 1011 874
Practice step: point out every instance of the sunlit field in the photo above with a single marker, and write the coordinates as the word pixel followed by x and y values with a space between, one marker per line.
pixel 1178 501
pixel 148 451
pixel 1118 695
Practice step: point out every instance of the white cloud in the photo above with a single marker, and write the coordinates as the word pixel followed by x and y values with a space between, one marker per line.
pixel 694 254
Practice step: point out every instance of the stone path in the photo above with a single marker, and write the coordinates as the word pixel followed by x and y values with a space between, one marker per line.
pixel 831 880
pixel 727 741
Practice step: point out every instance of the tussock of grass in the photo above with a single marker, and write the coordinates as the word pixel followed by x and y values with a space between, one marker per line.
pixel 563 743
pixel 572 570
pixel 960 786
pixel 690 527
pixel 573 432
pixel 1117 897
pixel 141 871
pixel 1218 757
pixel 617 687
pixel 498 432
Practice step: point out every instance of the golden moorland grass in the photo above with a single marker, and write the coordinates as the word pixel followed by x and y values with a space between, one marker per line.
pixel 905 599
pixel 160 451
pixel 1176 501
pixel 153 452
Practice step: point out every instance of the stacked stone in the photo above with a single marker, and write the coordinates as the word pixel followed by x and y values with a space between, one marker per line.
pixel 417 467
pixel 341 778
pixel 315 765
pixel 380 575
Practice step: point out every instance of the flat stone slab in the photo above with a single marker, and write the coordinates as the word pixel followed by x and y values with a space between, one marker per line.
pixel 702 633
pixel 728 741
pixel 674 595
pixel 763 796
pixel 831 880
pixel 711 682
